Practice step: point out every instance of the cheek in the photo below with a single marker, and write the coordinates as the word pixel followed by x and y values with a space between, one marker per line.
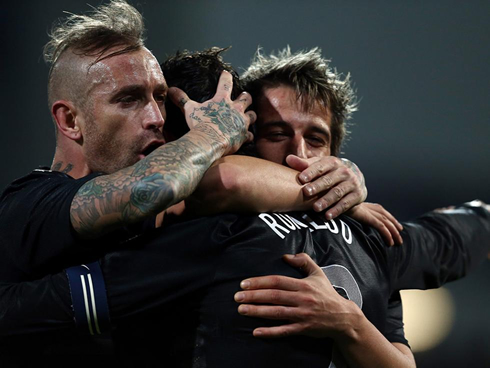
pixel 320 152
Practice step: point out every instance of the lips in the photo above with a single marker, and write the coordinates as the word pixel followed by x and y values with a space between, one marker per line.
pixel 152 146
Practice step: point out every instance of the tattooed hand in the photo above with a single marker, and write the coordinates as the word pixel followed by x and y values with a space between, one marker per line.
pixel 340 180
pixel 220 118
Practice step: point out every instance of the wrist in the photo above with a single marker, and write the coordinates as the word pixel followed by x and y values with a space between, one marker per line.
pixel 351 325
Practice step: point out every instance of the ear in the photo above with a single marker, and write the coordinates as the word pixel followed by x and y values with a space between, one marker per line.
pixel 67 120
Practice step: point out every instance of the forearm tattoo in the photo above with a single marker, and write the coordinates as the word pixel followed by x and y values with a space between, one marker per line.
pixel 228 120
pixel 166 176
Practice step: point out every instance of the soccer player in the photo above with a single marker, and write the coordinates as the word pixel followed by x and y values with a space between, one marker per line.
pixel 279 227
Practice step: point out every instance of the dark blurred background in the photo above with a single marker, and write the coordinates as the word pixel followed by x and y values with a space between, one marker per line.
pixel 421 69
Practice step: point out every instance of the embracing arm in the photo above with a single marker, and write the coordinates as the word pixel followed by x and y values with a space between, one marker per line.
pixel 171 172
pixel 246 184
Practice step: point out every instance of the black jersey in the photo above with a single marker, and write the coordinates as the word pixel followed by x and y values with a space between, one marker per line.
pixel 36 235
pixel 198 305
pixel 171 293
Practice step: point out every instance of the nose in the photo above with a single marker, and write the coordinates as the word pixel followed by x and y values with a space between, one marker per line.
pixel 299 147
pixel 154 116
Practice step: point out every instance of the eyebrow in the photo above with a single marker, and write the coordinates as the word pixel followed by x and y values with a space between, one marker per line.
pixel 285 124
pixel 136 89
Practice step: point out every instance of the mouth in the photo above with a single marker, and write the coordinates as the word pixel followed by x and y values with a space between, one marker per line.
pixel 151 147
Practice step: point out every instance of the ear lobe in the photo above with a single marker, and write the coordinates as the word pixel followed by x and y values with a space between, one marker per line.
pixel 65 116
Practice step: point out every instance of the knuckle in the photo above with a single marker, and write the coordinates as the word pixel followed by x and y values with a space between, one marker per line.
pixel 309 301
pixel 339 192
pixel 274 296
pixel 275 280
pixel 345 171
pixel 278 312
pixel 327 181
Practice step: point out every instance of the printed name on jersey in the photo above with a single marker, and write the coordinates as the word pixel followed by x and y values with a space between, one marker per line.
pixel 289 224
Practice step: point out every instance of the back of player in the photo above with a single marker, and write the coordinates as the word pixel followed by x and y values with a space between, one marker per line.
pixel 198 324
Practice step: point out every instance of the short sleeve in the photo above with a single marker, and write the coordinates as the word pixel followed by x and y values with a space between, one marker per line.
pixel 394 331
pixel 36 231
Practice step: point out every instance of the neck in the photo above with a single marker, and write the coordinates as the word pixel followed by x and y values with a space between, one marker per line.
pixel 70 162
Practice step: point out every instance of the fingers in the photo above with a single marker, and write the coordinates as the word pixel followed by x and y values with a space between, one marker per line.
pixel 225 85
pixel 318 168
pixel 297 163
pixel 267 296
pixel 343 204
pixel 278 331
pixel 268 311
pixel 378 217
pixel 252 116
pixel 271 282
pixel 383 212
pixel 328 176
pixel 178 97
pixel 388 231
pixel 302 261
pixel 244 99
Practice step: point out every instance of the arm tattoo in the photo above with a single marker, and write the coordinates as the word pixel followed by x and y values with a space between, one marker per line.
pixel 229 121
pixel 166 176
pixel 354 169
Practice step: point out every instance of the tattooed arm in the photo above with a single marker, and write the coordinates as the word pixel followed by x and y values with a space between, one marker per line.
pixel 170 173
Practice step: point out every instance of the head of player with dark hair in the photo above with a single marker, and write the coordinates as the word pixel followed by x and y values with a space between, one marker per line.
pixel 197 74
pixel 106 90
pixel 305 85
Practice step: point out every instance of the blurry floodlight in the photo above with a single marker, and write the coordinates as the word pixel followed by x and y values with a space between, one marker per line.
pixel 428 317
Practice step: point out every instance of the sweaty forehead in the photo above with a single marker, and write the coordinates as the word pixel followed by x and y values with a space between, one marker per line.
pixel 134 68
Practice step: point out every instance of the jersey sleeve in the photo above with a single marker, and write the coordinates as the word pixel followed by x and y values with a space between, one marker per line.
pixel 32 307
pixel 394 331
pixel 440 247
pixel 36 232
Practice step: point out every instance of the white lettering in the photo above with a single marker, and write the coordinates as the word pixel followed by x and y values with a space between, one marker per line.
pixel 286 221
pixel 269 220
pixel 298 223
pixel 335 229
pixel 346 229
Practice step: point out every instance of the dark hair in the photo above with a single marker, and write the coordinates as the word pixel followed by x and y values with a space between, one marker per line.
pixel 197 74
pixel 314 81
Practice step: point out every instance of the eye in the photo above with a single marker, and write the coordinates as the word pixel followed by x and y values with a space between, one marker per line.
pixel 276 135
pixel 128 100
pixel 316 141
pixel 160 98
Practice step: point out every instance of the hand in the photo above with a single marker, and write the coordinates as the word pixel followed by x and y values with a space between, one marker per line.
pixel 341 179
pixel 311 304
pixel 227 119
pixel 375 215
